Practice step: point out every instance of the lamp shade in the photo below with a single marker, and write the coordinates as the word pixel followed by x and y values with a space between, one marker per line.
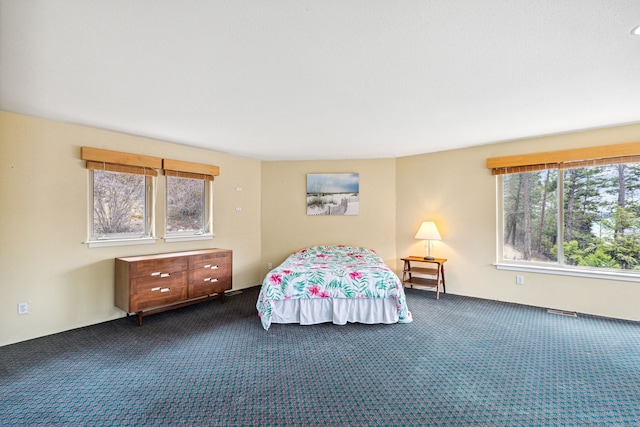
pixel 428 231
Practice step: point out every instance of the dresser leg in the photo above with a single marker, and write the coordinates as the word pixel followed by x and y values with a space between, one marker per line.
pixel 139 318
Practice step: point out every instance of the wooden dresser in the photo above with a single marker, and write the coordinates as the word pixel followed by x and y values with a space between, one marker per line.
pixel 153 283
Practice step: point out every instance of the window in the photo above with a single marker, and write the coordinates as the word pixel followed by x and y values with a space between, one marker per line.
pixel 530 216
pixel 121 197
pixel 602 216
pixel 121 207
pixel 573 214
pixel 188 212
pixel 189 206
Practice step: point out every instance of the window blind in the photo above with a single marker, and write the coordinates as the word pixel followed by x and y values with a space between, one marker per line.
pixel 112 167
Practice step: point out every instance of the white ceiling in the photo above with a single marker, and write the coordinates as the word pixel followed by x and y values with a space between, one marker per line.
pixel 323 79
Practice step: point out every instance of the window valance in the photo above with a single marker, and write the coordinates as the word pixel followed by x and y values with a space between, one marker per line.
pixel 563 159
pixel 182 169
pixel 117 161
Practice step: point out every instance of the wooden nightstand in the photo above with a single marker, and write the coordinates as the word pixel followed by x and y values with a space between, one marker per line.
pixel 424 276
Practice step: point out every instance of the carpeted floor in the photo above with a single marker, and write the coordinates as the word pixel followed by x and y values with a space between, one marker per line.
pixel 463 361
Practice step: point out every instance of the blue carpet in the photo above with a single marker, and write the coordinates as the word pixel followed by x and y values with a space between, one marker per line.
pixel 463 361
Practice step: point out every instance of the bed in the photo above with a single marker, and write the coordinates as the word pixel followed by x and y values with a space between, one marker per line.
pixel 336 284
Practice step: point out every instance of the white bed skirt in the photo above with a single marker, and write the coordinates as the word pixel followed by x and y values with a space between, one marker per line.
pixel 336 310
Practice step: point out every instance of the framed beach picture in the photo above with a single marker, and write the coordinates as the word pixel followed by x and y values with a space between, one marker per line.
pixel 333 194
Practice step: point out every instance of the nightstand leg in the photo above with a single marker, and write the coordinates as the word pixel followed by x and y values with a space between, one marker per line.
pixel 407 271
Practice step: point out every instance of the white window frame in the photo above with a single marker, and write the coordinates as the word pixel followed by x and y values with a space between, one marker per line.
pixel 555 268
pixel 186 236
pixel 123 240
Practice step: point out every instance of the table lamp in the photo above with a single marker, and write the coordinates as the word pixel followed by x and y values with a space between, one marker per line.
pixel 428 232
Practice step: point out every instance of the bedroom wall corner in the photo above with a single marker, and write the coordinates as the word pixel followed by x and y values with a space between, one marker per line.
pixel 43 223
pixel 286 227
pixel 455 189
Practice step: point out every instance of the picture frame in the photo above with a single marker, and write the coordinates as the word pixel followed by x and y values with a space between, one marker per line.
pixel 333 194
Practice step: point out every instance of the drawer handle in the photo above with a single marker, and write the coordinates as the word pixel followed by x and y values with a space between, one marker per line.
pixel 165 275
pixel 207 266
pixel 209 279
pixel 214 267
pixel 155 289
pixel 164 290
pixel 156 273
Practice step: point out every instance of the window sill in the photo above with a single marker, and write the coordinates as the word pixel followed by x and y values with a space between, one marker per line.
pixel 189 238
pixel 608 274
pixel 120 242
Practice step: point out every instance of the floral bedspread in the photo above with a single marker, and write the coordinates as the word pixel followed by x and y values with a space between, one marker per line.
pixel 331 272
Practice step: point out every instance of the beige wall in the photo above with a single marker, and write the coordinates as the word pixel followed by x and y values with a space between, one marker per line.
pixel 43 223
pixel 43 220
pixel 286 227
pixel 455 189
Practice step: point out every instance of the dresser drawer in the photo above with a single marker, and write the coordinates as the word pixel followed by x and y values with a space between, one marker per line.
pixel 147 283
pixel 205 288
pixel 208 274
pixel 157 267
pixel 210 260
pixel 157 296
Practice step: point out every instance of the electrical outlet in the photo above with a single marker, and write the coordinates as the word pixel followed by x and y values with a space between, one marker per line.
pixel 519 280
pixel 23 308
pixel 269 266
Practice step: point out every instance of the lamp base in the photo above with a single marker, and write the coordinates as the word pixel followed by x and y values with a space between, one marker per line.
pixel 430 258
